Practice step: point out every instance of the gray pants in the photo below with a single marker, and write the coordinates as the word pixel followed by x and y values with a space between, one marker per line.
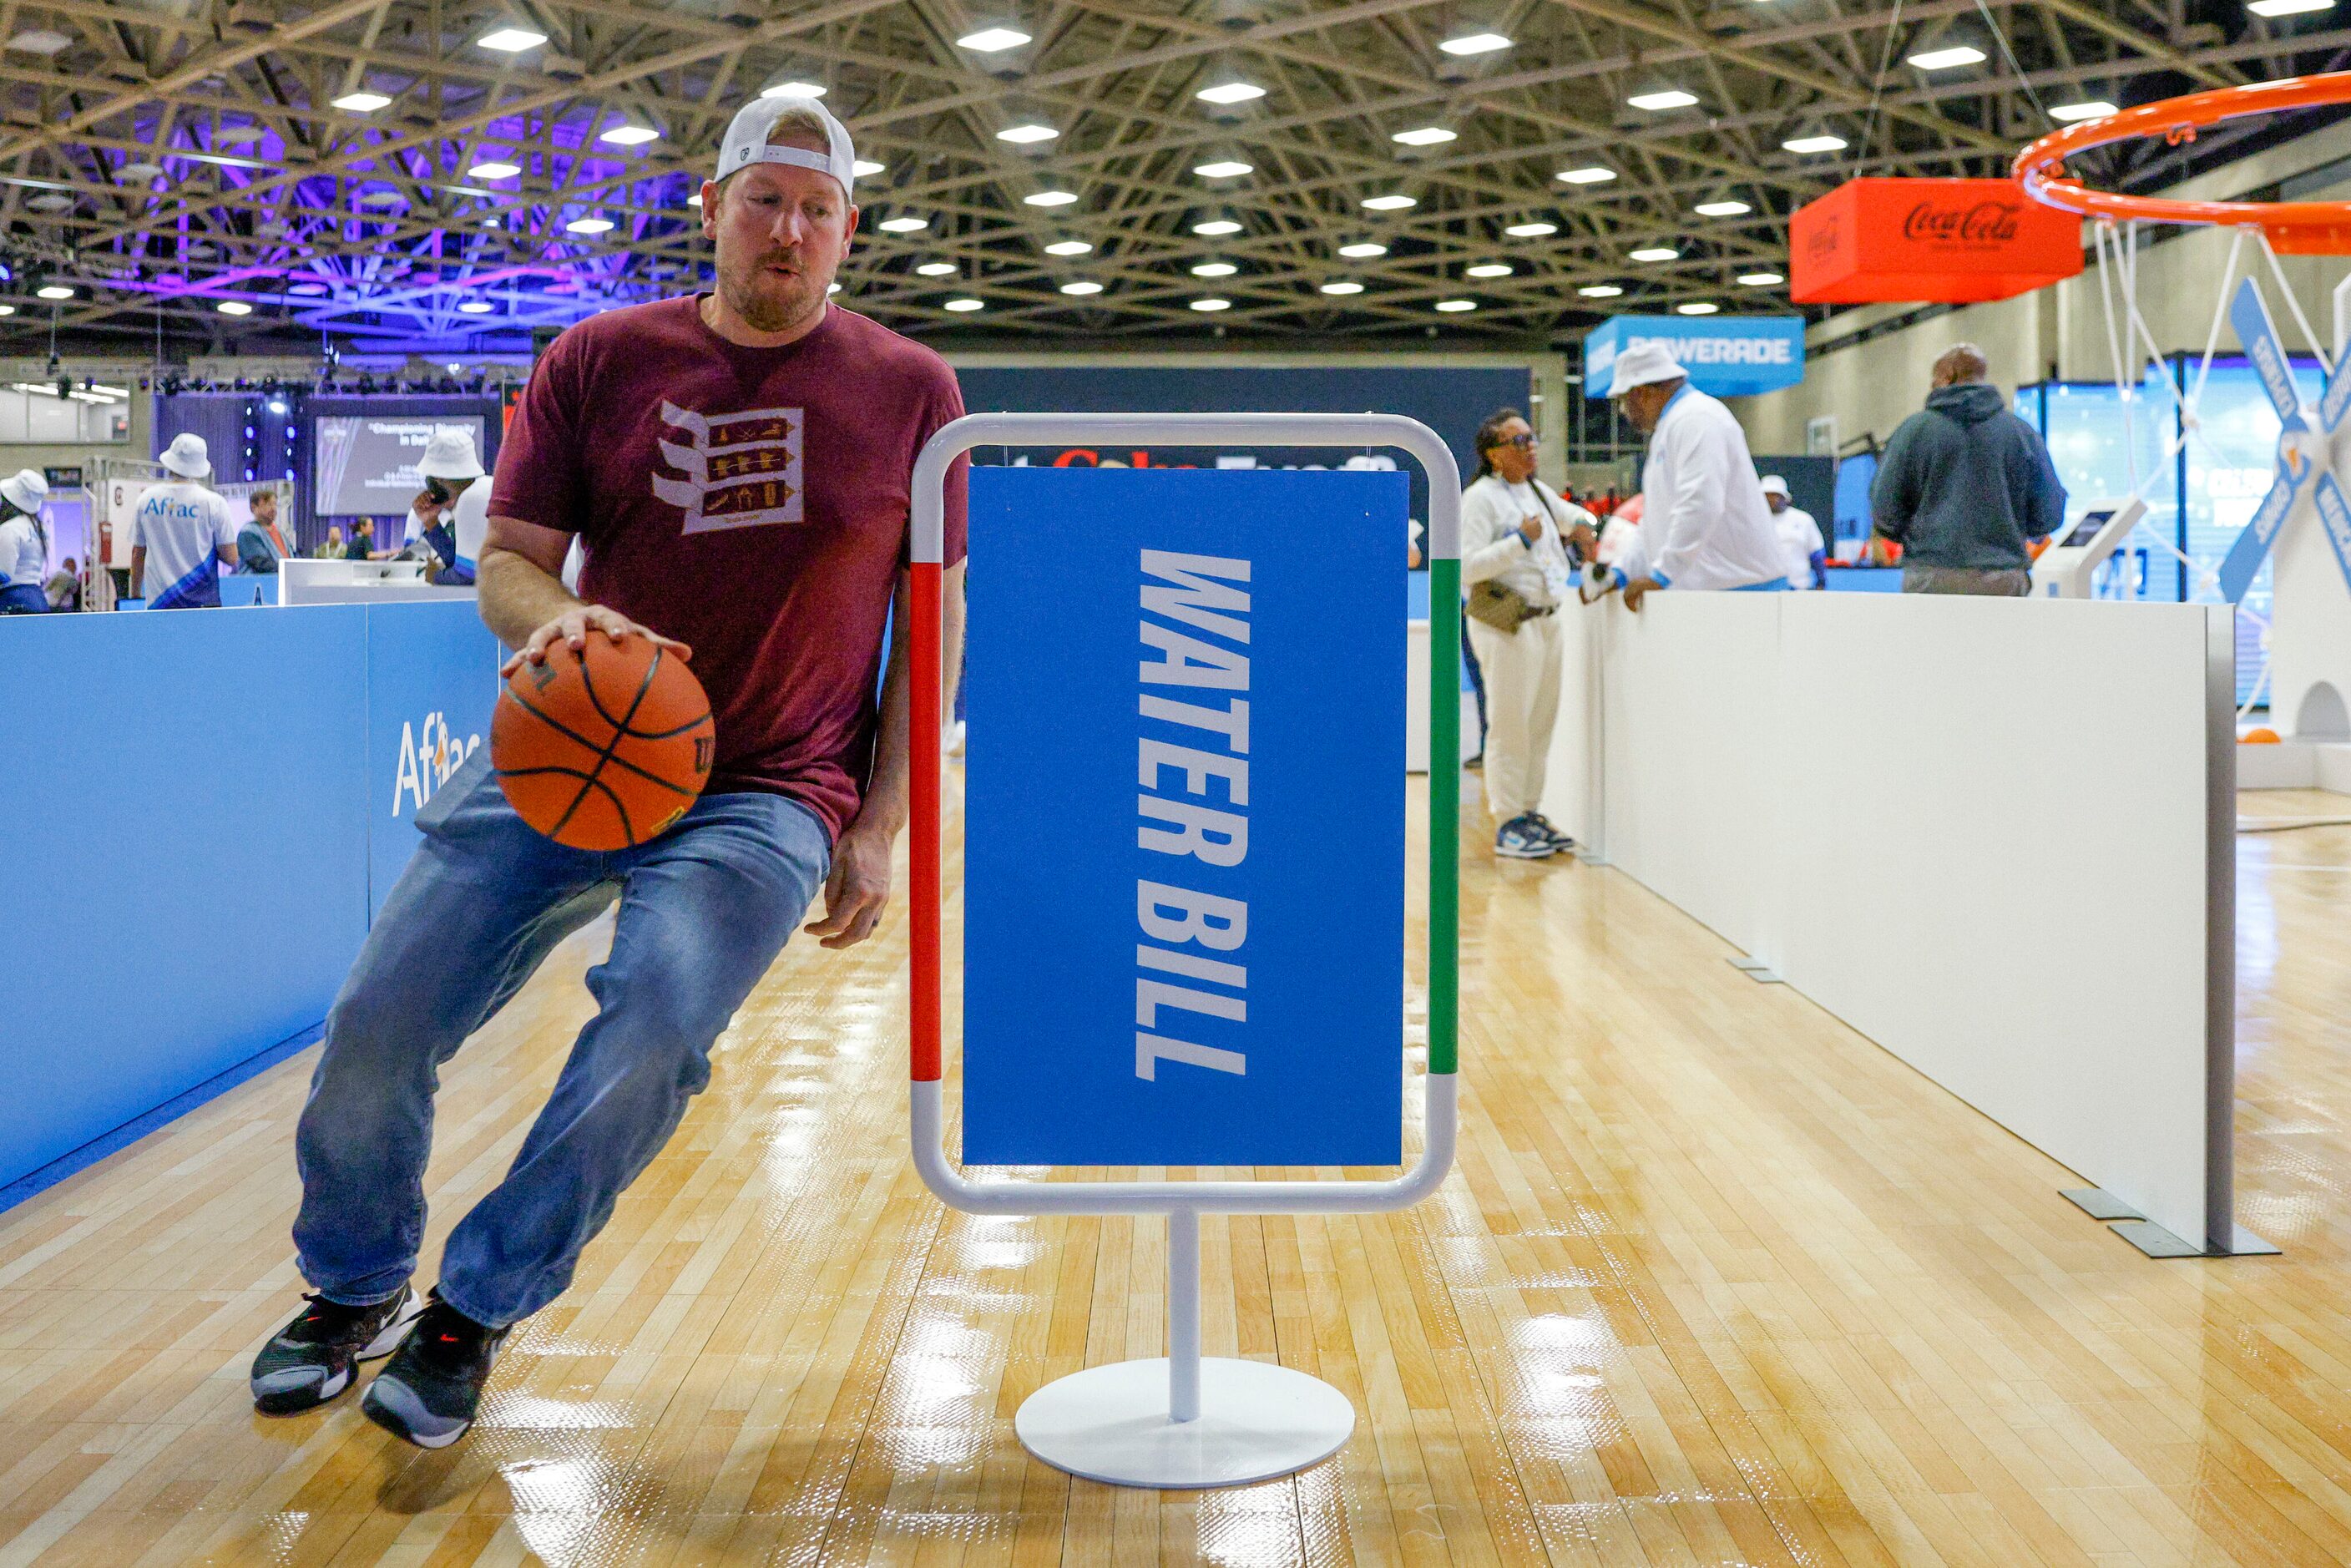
pixel 2009 584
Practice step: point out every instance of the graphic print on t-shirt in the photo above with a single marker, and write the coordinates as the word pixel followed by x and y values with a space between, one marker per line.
pixel 741 469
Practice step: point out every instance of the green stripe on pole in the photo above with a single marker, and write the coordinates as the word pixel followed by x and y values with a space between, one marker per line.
pixel 1443 811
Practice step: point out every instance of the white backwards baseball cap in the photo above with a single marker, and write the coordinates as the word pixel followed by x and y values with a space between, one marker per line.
pixel 1644 364
pixel 187 456
pixel 1774 485
pixel 25 490
pixel 450 455
pixel 746 141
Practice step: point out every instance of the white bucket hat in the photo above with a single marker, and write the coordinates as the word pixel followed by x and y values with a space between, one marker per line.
pixel 26 489
pixel 1644 364
pixel 746 141
pixel 187 456
pixel 1774 485
pixel 450 455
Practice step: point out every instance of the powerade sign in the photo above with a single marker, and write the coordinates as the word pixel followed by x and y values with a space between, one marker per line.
pixel 1728 356
pixel 1185 859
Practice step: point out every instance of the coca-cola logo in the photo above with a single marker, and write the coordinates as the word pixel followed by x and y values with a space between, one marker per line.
pixel 1982 223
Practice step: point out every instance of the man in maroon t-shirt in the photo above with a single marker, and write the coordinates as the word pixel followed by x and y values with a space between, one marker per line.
pixel 735 467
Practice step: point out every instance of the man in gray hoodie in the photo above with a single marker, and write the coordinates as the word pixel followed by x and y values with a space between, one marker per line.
pixel 1964 484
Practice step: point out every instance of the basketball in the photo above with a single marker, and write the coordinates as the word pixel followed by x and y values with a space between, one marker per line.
pixel 2259 737
pixel 605 748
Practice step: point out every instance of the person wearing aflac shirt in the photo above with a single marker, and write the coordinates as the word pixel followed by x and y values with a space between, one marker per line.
pixel 1520 543
pixel 1704 522
pixel 182 534
pixel 453 513
pixel 1801 549
pixel 23 544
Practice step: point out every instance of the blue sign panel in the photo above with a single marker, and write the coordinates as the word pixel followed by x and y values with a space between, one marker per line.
pixel 1184 864
pixel 432 679
pixel 1728 356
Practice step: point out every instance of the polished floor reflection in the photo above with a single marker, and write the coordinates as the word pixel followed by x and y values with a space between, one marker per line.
pixel 1716 1282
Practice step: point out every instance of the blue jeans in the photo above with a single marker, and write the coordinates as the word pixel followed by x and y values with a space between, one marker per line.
pixel 705 909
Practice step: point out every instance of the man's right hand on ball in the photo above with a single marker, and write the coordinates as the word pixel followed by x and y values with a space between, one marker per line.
pixel 574 624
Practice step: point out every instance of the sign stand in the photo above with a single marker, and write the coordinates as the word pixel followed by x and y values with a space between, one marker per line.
pixel 1186 1421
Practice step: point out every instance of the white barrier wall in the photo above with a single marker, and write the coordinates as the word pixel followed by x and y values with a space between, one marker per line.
pixel 1980 831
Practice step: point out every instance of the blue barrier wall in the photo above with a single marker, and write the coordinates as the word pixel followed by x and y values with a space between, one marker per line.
pixel 185 810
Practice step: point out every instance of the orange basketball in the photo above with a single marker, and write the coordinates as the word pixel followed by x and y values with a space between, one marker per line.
pixel 606 750
pixel 2259 737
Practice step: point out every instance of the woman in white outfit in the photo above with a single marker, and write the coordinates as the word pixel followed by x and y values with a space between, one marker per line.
pixel 1520 543
pixel 23 544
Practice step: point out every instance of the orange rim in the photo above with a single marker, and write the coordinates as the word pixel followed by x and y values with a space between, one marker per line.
pixel 2040 168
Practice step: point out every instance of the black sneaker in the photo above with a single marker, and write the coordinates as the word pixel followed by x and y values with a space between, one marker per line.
pixel 431 1390
pixel 1559 841
pixel 311 1359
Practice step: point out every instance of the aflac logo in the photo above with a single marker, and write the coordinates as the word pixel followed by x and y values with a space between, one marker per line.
pixel 427 760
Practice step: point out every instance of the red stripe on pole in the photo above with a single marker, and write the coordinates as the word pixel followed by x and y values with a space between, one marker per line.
pixel 924 852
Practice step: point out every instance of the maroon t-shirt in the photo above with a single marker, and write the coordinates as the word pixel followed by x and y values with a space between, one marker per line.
pixel 751 503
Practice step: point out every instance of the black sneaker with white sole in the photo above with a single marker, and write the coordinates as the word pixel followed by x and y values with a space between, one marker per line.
pixel 1542 824
pixel 312 1359
pixel 1519 840
pixel 432 1388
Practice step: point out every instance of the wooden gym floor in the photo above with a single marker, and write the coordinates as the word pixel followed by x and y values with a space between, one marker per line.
pixel 1716 1282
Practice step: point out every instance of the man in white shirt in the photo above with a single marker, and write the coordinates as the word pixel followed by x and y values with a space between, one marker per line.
pixel 1802 547
pixel 1704 522
pixel 1516 535
pixel 453 513
pixel 182 534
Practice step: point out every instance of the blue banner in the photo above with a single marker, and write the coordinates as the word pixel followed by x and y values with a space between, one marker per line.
pixel 1184 864
pixel 432 679
pixel 1728 356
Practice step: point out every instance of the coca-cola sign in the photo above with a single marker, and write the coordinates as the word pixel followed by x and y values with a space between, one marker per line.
pixel 1978 223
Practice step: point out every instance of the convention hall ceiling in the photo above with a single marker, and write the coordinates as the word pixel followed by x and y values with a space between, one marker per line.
pixel 439 174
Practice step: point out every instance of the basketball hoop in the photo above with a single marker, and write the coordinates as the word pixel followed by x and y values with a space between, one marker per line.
pixel 2293 228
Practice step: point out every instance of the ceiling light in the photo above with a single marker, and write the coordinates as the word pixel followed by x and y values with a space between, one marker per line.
pixel 1823 143
pixel 1760 279
pixel 39 41
pixel 1222 169
pixel 1656 252
pixel 1657 102
pixel 1082 286
pixel 1591 176
pixel 1344 286
pixel 2088 108
pixel 1362 248
pixel 832 288
pixel 1214 269
pixel 380 197
pixel 963 307
pixel 7 310
pixel 56 292
pixel 589 227
pixel 1966 55
pixel 905 225
pixel 1600 291
pixel 1723 209
pixel 361 102
pixel 2287 8
pixel 1426 136
pixel 630 135
pixel 992 40
pixel 512 41
pixel 494 171
pixel 476 308
pixel 1024 134
pixel 1229 92
pixel 937 270
pixel 1475 44
pixel 1216 228
pixel 1212 303
pixel 1390 203
pixel 1051 198
pixel 692 200
pixel 239 135
pixel 1453 307
pixel 793 89
pixel 234 307
pixel 1488 270
pixel 49 202
pixel 1697 308
pixel 1534 230
pixel 865 168
pixel 140 174
pixel 1069 247
pixel 308 290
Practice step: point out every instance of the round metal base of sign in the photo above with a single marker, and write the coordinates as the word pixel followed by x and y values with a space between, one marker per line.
pixel 1110 1424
